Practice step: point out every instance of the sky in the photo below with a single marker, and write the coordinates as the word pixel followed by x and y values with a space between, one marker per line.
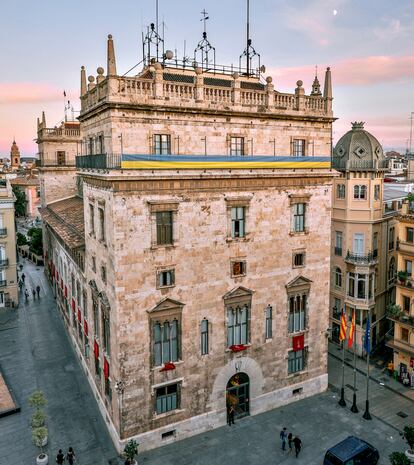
pixel 369 45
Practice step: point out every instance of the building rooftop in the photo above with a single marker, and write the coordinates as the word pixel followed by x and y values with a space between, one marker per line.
pixel 25 181
pixel 66 218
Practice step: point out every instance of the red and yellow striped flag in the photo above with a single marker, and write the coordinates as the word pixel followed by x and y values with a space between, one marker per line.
pixel 342 331
pixel 351 331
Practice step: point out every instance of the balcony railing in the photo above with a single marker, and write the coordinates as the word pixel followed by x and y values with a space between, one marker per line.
pixel 3 283
pixel 102 161
pixel 3 231
pixel 403 319
pixel 4 262
pixel 358 259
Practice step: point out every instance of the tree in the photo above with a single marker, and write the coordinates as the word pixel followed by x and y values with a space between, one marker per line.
pixel 36 240
pixel 21 201
pixel 399 458
pixel 21 239
pixel 409 436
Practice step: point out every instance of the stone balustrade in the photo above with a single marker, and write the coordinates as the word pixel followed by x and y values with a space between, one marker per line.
pixel 50 133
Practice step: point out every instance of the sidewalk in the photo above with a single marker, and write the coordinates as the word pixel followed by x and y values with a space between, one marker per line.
pixel 379 375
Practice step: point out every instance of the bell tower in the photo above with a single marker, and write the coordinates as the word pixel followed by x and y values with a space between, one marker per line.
pixel 15 156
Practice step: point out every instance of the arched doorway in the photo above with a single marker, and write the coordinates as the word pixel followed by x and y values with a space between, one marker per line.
pixel 237 394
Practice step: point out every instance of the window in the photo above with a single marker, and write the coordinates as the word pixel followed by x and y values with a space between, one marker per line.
pixel 337 309
pixel 410 235
pixel 391 270
pixel 93 259
pixel 204 337
pixel 85 304
pixel 404 334
pixel 375 245
pixel 61 158
pixel 101 143
pixel 165 337
pixel 106 332
pixel 297 313
pixel 360 191
pixel 377 190
pixel 162 144
pixel 359 244
pixel 406 303
pixel 103 274
pixel 357 285
pixel 299 217
pixel 102 224
pixel 108 390
pixel 238 269
pixel 298 147
pixel 409 267
pixel 351 284
pixel 237 325
pixel 164 227
pixel 166 278
pixel 338 243
pixel 338 277
pixel 391 238
pixel 298 259
pixel 340 191
pixel 268 324
pixel 78 293
pixel 166 398
pixel 238 222
pixel 90 146
pixel 92 219
pixel 296 360
pixel 237 146
pixel 95 307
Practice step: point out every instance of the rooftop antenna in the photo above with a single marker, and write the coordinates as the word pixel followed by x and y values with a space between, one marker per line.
pixel 249 51
pixel 204 46
pixel 152 39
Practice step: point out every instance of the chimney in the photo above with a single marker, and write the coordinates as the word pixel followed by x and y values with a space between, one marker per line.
pixel 111 67
pixel 83 81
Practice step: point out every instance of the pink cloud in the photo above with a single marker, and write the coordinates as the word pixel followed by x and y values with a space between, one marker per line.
pixel 353 71
pixel 29 92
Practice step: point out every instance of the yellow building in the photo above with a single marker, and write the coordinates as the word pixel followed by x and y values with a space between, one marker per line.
pixel 403 342
pixel 8 275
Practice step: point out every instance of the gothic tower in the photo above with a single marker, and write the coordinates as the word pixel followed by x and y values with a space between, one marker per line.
pixel 15 155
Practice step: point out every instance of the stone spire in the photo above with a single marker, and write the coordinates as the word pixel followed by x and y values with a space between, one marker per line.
pixel 111 67
pixel 327 91
pixel 316 87
pixel 43 119
pixel 83 81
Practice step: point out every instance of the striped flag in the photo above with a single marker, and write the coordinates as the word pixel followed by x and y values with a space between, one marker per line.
pixel 342 331
pixel 352 331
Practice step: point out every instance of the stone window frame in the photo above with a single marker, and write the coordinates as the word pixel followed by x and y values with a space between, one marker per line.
pixel 299 252
pixel 295 199
pixel 358 189
pixel 102 222
pixel 243 138
pixel 158 273
pixel 307 144
pixel 338 277
pixel 163 132
pixel 377 192
pixel 305 357
pixel 268 313
pixel 238 298
pixel 179 384
pixel 243 267
pixel 156 206
pixel 235 202
pixel 300 287
pixel 166 310
pixel 340 191
pixel 91 216
pixel 205 337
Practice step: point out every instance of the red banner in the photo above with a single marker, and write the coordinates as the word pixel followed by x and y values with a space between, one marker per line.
pixel 73 304
pixel 106 368
pixel 85 327
pixel 57 274
pixel 168 366
pixel 79 315
pixel 238 347
pixel 298 342
pixel 96 349
pixel 66 291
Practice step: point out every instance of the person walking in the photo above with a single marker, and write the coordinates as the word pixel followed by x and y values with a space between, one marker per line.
pixel 23 277
pixel 230 415
pixel 34 294
pixel 20 284
pixel 290 442
pixel 26 295
pixel 60 458
pixel 283 436
pixel 38 291
pixel 298 445
pixel 70 455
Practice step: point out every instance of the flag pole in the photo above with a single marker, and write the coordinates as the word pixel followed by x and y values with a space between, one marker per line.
pixel 342 402
pixel 366 414
pixel 354 407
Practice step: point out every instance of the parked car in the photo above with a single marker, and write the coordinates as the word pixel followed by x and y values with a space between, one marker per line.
pixel 351 451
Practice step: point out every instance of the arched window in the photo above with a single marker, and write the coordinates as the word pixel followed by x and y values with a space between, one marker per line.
pixel 338 277
pixel 391 270
pixel 360 191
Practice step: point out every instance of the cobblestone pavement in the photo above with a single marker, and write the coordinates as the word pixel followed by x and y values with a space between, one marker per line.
pixel 35 353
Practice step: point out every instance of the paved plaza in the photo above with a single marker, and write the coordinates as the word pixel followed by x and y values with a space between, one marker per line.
pixel 35 353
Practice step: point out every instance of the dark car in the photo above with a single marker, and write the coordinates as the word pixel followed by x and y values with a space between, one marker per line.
pixel 351 451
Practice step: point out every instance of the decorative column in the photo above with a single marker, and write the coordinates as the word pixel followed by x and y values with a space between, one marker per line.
pixel 270 92
pixel 158 81
pixel 236 89
pixel 327 91
pixel 300 96
pixel 199 84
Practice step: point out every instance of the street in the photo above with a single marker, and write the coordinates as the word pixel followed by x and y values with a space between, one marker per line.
pixel 35 353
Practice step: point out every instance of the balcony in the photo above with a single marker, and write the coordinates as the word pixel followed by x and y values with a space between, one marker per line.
pixel 3 283
pixel 4 262
pixel 102 161
pixel 358 259
pixel 3 231
pixel 404 319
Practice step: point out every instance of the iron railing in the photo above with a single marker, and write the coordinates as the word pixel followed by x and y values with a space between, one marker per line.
pixel 359 259
pixel 102 161
pixel 3 231
pixel 4 262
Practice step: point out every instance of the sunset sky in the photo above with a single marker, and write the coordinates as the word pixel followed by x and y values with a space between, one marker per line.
pixel 368 44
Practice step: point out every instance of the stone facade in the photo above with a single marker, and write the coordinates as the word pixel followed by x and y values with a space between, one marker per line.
pixel 205 287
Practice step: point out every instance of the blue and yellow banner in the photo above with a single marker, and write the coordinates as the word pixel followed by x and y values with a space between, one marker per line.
pixel 187 162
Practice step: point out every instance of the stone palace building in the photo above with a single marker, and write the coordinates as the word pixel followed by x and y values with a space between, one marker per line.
pixel 187 221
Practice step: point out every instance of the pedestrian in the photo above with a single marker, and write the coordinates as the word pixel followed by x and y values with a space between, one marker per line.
pixel 60 458
pixel 23 277
pixel 127 461
pixel 298 445
pixel 283 436
pixel 26 295
pixel 290 442
pixel 34 294
pixel 20 284
pixel 38 291
pixel 70 455
pixel 21 267
pixel 230 415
